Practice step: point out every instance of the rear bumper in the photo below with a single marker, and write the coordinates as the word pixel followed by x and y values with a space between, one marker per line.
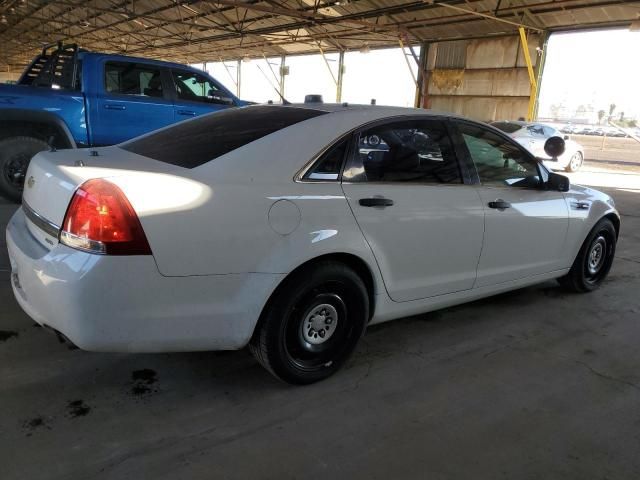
pixel 123 304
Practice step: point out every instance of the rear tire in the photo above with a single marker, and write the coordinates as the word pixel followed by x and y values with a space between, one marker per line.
pixel 312 324
pixel 15 155
pixel 594 260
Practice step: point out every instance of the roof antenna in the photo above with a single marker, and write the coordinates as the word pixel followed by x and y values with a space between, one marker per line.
pixel 284 100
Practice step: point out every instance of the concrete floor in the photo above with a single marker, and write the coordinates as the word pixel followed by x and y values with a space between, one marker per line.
pixel 533 384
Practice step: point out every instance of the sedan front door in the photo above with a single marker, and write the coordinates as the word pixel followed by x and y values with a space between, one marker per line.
pixel 405 187
pixel 525 225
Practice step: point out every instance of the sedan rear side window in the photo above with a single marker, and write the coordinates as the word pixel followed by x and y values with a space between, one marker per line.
pixel 417 151
pixel 195 142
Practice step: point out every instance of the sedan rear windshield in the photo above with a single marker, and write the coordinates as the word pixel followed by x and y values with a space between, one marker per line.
pixel 193 143
pixel 507 127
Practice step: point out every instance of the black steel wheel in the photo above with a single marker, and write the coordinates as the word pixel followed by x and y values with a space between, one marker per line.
pixel 594 260
pixel 15 155
pixel 312 324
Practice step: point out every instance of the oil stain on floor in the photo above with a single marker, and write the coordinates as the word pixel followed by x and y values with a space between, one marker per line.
pixel 7 334
pixel 36 423
pixel 143 381
pixel 77 408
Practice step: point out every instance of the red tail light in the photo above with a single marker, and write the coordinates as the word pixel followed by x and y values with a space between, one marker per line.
pixel 100 219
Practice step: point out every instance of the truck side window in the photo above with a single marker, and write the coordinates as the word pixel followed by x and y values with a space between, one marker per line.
pixel 197 88
pixel 126 78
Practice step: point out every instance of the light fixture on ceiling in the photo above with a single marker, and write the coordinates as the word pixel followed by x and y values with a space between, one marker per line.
pixel 3 20
pixel 246 59
pixel 365 48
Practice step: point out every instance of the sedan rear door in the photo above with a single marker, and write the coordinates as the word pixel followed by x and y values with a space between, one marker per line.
pixel 407 191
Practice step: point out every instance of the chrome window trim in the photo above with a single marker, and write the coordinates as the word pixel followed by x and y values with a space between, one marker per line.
pixel 39 221
pixel 300 176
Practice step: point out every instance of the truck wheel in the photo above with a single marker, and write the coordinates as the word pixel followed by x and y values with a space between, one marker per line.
pixel 15 155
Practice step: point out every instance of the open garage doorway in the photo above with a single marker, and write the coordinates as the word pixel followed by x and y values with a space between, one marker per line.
pixel 590 93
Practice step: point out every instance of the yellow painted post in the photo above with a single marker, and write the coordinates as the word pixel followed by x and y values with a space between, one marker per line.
pixel 532 77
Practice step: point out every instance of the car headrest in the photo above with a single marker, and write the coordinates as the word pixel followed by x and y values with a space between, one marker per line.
pixel 401 158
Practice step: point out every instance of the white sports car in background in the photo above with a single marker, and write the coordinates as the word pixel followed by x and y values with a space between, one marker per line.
pixel 533 136
pixel 290 229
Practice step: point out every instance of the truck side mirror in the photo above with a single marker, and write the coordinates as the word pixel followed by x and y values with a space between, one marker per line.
pixel 219 97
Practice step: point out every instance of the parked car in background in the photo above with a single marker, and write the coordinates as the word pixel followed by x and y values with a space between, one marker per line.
pixel 291 229
pixel 70 98
pixel 533 136
pixel 569 129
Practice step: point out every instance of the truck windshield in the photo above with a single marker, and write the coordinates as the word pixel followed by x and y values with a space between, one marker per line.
pixel 195 142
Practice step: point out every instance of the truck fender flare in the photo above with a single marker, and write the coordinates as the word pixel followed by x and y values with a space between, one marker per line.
pixel 39 116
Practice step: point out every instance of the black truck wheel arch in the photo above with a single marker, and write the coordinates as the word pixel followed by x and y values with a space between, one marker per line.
pixel 37 124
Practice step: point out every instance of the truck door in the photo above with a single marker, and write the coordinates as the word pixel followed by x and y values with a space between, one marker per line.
pixel 196 94
pixel 133 99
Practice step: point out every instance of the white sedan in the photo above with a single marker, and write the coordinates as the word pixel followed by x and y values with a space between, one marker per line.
pixel 533 136
pixel 292 228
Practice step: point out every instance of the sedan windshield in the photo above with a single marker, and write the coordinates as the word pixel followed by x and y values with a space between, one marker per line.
pixel 507 127
pixel 193 143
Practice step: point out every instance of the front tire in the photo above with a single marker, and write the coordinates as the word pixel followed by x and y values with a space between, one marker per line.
pixel 576 162
pixel 312 324
pixel 15 155
pixel 594 260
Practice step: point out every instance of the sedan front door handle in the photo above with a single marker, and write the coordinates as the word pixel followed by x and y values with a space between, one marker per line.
pixel 499 204
pixel 376 202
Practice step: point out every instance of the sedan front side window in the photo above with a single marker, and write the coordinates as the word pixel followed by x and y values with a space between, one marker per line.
pixel 499 162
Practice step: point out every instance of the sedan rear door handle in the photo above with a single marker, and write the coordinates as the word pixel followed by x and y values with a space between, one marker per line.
pixel 187 113
pixel 376 202
pixel 114 106
pixel 499 204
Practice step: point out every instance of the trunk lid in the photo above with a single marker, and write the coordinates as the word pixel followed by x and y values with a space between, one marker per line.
pixel 53 177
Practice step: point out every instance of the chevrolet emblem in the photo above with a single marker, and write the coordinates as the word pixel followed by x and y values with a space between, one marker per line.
pixel 31 182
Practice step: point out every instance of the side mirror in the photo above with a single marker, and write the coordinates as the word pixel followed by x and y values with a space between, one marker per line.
pixel 554 147
pixel 557 182
pixel 221 98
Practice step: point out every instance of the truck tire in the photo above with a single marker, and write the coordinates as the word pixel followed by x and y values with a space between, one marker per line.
pixel 15 155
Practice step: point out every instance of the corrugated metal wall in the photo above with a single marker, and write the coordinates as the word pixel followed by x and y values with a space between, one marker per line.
pixel 482 79
pixel 8 76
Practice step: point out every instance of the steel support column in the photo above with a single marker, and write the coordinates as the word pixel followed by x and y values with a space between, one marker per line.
pixel 542 58
pixel 422 86
pixel 533 81
pixel 282 74
pixel 238 78
pixel 340 76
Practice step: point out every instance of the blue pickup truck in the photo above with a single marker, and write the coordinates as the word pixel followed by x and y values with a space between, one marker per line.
pixel 69 98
